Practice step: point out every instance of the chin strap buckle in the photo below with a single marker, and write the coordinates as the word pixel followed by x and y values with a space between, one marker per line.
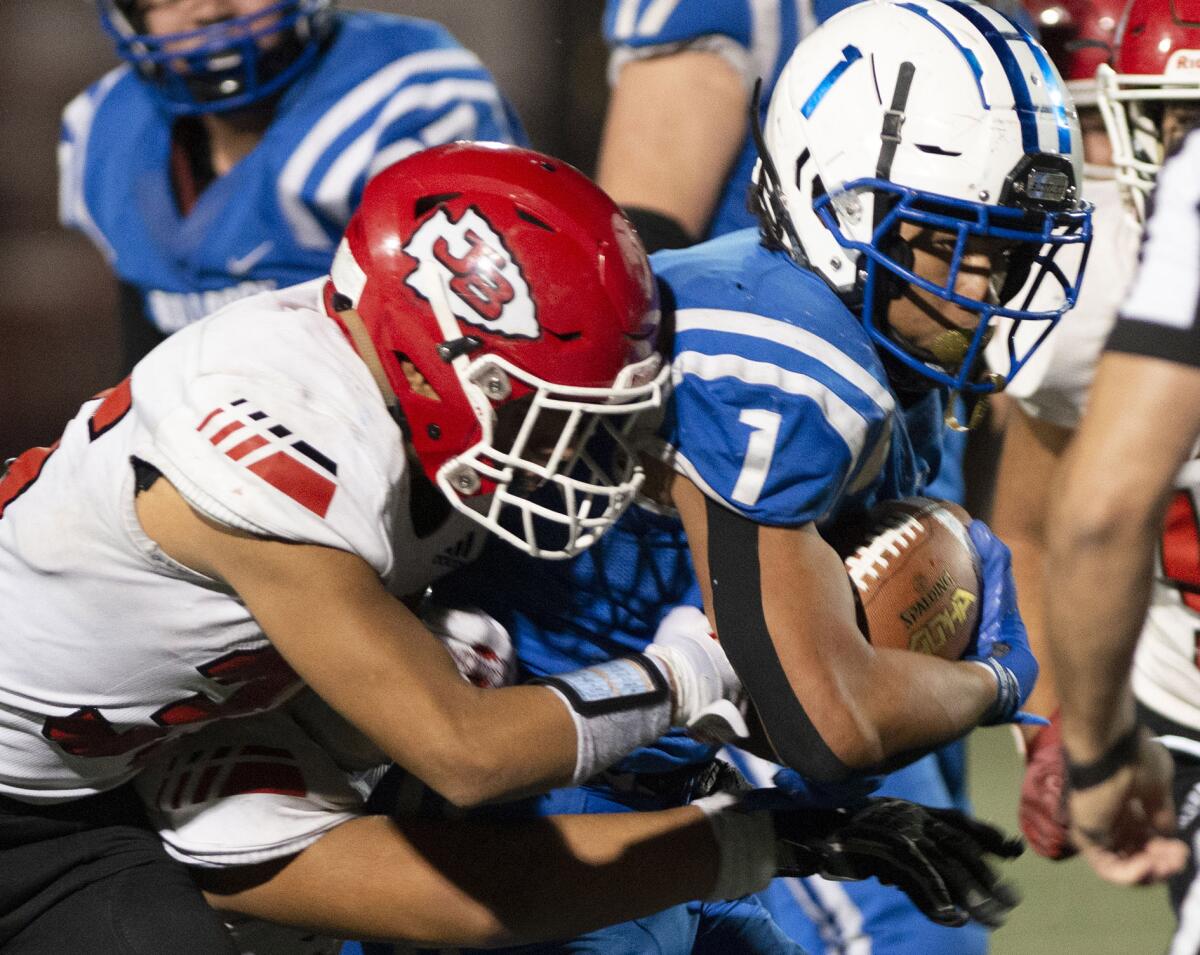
pixel 977 408
pixel 893 120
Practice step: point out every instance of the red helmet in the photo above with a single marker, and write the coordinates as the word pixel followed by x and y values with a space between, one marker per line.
pixel 514 316
pixel 1157 63
pixel 1079 35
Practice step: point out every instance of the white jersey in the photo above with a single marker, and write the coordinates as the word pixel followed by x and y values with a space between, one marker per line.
pixel 265 419
pixel 1159 319
pixel 1053 386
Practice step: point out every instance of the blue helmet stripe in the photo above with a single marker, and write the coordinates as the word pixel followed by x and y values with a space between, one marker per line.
pixel 849 54
pixel 1054 89
pixel 968 55
pixel 1026 110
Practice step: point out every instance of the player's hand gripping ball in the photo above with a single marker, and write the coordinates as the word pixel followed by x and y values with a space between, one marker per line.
pixel 915 574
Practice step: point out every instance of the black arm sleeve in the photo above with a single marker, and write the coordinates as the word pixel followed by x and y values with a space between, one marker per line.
pixel 658 231
pixel 138 334
pixel 737 604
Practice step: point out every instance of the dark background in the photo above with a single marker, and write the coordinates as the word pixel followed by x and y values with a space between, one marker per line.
pixel 58 331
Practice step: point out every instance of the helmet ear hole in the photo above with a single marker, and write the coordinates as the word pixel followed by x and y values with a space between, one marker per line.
pixel 418 384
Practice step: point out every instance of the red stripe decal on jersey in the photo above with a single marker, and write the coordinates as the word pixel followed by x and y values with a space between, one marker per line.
pixel 21 472
pixel 239 451
pixel 298 481
pixel 283 780
pixel 225 432
pixel 208 417
pixel 116 404
pixel 295 467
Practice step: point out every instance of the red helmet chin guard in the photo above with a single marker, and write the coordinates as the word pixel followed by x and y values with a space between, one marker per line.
pixel 487 275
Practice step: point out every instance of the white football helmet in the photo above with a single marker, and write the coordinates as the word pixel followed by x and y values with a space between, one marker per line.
pixel 941 114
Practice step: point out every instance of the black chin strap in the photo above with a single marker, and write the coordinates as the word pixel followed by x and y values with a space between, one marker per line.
pixel 893 120
pixel 766 198
pixel 889 136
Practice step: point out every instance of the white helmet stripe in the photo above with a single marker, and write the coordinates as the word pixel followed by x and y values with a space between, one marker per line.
pixel 1027 109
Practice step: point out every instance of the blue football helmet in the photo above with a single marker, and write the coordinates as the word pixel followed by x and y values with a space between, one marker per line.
pixel 941 115
pixel 224 66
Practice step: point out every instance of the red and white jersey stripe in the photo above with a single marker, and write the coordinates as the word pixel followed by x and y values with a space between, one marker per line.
pixel 264 419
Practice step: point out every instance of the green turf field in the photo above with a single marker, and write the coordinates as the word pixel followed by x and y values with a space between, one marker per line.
pixel 1066 909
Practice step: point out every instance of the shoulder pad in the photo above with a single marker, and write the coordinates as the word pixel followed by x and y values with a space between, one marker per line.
pixel 296 446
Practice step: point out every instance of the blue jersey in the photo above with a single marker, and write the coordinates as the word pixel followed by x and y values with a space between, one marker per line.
pixel 605 603
pixel 756 36
pixel 781 408
pixel 384 88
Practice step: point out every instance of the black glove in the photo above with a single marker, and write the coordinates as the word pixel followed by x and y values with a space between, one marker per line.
pixel 935 856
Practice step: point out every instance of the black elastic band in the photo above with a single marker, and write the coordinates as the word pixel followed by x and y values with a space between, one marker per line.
pixel 1119 755
pixel 737 605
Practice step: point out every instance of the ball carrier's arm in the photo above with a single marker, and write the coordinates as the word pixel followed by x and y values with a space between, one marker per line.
pixel 830 702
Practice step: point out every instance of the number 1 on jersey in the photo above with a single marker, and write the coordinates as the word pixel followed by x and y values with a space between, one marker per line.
pixel 759 451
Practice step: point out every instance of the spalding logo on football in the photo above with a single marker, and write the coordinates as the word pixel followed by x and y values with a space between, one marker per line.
pixel 916 576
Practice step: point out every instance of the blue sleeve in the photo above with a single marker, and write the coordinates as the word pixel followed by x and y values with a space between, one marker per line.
pixel 773 456
pixel 637 23
pixel 780 407
pixel 432 106
pixel 73 159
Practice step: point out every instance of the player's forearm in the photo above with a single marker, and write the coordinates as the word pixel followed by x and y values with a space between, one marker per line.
pixel 1032 450
pixel 479 745
pixel 867 708
pixel 830 704
pixel 918 702
pixel 1104 521
pixel 468 884
pixel 1100 588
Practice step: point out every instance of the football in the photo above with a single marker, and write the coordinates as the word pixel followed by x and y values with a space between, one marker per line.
pixel 915 575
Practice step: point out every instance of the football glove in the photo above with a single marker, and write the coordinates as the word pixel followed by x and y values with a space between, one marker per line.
pixel 706 693
pixel 937 857
pixel 1001 643
pixel 481 647
pixel 850 792
pixel 1042 811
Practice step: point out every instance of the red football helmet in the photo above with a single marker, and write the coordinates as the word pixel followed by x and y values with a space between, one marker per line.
pixel 1157 65
pixel 1079 35
pixel 514 317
